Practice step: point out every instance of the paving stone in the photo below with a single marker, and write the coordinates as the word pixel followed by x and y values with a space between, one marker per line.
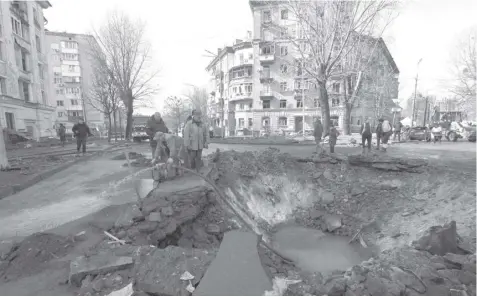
pixel 167 211
pixel 237 269
pixel 154 217
pixel 98 264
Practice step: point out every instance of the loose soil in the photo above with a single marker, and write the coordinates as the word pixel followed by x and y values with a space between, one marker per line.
pixel 384 211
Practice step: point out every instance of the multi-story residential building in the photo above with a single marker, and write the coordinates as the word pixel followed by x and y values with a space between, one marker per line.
pixel 254 85
pixel 71 73
pixel 24 105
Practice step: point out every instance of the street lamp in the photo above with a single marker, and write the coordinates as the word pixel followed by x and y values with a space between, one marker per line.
pixel 415 92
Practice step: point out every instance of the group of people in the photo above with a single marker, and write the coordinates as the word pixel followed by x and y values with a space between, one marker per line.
pixel 166 146
pixel 384 131
pixel 80 131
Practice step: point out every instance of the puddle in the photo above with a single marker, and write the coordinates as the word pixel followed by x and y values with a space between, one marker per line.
pixel 316 251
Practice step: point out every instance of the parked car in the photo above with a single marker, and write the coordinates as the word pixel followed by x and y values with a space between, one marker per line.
pixel 420 133
pixel 139 133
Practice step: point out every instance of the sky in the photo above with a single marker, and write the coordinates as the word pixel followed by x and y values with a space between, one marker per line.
pixel 181 31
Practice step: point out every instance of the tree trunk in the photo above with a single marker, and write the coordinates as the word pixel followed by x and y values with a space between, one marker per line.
pixel 325 108
pixel 130 110
pixel 3 152
pixel 115 127
pixel 110 128
pixel 347 119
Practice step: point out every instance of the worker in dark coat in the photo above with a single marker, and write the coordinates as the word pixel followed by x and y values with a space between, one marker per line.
pixel 155 124
pixel 81 132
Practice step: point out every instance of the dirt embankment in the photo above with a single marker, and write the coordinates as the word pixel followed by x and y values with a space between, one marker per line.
pixel 166 235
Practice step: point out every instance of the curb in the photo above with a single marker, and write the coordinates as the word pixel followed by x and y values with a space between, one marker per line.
pixel 10 190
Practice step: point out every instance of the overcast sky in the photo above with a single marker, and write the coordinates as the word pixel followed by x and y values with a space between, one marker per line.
pixel 180 31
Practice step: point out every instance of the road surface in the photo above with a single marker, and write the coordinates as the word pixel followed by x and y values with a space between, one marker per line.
pixel 90 186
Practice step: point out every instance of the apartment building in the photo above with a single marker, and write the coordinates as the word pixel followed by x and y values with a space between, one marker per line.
pixel 71 74
pixel 254 88
pixel 24 105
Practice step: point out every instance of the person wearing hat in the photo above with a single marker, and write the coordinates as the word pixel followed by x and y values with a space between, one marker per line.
pixel 196 138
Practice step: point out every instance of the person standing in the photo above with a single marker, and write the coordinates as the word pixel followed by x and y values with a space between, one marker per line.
pixel 366 136
pixel 62 134
pixel 333 137
pixel 81 132
pixel 379 132
pixel 397 131
pixel 318 133
pixel 155 124
pixel 387 132
pixel 196 138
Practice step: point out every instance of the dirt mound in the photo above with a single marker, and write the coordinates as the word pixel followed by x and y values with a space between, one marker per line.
pixel 29 256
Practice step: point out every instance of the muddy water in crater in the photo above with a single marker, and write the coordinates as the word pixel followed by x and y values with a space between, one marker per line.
pixel 316 251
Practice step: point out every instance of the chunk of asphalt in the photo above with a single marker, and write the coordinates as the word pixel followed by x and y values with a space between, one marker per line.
pixel 237 269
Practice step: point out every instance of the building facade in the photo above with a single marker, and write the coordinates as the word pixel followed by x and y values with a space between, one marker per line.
pixel 254 88
pixel 71 78
pixel 24 104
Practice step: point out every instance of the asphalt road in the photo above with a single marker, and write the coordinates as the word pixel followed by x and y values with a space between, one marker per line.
pixel 90 186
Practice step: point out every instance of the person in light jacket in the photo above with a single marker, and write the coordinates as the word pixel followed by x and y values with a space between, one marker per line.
pixel 196 138
pixel 318 133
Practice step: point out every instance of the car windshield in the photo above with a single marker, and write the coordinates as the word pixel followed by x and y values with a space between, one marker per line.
pixel 139 128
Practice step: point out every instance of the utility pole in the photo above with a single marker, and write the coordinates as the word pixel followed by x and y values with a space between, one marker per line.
pixel 415 94
pixel 303 93
pixel 425 110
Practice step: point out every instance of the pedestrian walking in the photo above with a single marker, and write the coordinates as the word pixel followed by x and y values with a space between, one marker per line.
pixel 156 124
pixel 333 137
pixel 62 134
pixel 387 131
pixel 196 138
pixel 318 133
pixel 366 136
pixel 397 131
pixel 81 132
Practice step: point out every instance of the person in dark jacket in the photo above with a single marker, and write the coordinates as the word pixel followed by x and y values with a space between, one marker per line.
pixel 366 135
pixel 397 131
pixel 81 132
pixel 155 124
pixel 62 134
pixel 318 134
pixel 379 132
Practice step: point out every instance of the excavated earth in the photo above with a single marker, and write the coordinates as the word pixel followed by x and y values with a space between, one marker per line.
pixel 381 227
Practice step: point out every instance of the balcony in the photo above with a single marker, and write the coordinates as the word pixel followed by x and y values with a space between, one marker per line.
pixel 266 58
pixel 19 10
pixel 242 96
pixel 267 94
pixel 266 78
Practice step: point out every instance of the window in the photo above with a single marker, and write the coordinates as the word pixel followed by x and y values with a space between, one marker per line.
pixel 283 104
pixel 336 87
pixel 335 102
pixel 2 51
pixel 299 103
pixel 72 68
pixel 267 16
pixel 284 14
pixel 283 86
pixel 58 80
pixel 250 106
pixel 3 85
pixel 250 122
pixel 282 121
pixel 283 68
pixel 40 69
pixel 250 56
pixel 69 44
pixel 283 50
pixel 10 118
pixel 242 106
pixel 266 50
pixel 24 60
pixel 241 58
pixel 55 57
pixel 265 122
pixel 60 91
pixel 241 122
pixel 24 89
pixel 283 32
pixel 17 27
pixel 75 113
pixel 248 88
pixel 60 114
pixel 38 44
pixel 266 104
pixel 74 102
pixel 60 103
pixel 316 102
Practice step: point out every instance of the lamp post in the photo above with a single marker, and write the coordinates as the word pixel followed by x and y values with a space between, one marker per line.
pixel 415 93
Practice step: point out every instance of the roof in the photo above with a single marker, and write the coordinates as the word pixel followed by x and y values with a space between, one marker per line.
pixel 388 55
pixel 44 4
pixel 67 34
pixel 229 50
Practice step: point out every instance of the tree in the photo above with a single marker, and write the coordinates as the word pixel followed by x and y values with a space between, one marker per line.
pixel 122 50
pixel 324 33
pixel 103 96
pixel 3 151
pixel 464 66
pixel 177 111
pixel 199 99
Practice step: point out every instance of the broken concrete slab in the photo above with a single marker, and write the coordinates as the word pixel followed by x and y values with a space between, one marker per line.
pixel 439 240
pixel 97 264
pixel 144 187
pixel 128 217
pixel 237 269
pixel 160 271
pixel 332 222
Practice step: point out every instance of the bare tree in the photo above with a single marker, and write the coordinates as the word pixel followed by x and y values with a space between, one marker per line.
pixel 122 50
pixel 4 165
pixel 176 110
pixel 199 99
pixel 104 96
pixel 464 66
pixel 323 34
